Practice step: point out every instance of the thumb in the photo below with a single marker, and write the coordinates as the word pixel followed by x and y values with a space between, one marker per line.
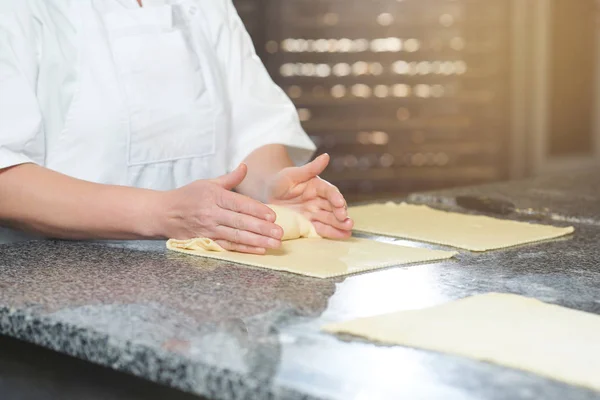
pixel 310 170
pixel 232 179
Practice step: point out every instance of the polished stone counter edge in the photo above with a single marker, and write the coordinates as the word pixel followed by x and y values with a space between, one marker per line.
pixel 138 360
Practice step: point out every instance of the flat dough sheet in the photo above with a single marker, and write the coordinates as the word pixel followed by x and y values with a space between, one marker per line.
pixel 505 329
pixel 469 232
pixel 317 257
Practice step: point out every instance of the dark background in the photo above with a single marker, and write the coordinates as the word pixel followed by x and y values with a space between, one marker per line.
pixel 413 95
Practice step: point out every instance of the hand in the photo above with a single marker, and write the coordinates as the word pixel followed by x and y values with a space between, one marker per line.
pixel 301 189
pixel 208 208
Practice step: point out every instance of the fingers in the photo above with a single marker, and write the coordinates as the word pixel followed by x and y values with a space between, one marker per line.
pixel 244 224
pixel 328 218
pixel 246 238
pixel 240 248
pixel 331 199
pixel 318 165
pixel 331 193
pixel 242 229
pixel 249 223
pixel 318 203
pixel 234 178
pixel 328 231
pixel 245 205
pixel 310 170
pixel 341 214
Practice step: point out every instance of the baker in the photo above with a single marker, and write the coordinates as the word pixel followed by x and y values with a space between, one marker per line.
pixel 142 119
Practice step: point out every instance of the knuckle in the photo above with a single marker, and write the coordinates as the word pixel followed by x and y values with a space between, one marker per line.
pixel 226 200
pixel 246 207
pixel 237 235
pixel 204 213
pixel 238 222
pixel 218 196
pixel 233 203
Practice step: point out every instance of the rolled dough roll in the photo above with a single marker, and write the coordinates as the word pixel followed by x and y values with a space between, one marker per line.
pixel 294 224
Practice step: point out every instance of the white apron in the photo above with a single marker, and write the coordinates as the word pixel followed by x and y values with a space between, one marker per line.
pixel 147 85
pixel 148 101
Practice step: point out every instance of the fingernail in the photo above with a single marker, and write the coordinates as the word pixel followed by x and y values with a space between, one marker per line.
pixel 273 243
pixel 269 218
pixel 275 232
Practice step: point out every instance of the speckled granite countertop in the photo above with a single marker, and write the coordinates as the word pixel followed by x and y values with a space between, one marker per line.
pixel 573 197
pixel 229 332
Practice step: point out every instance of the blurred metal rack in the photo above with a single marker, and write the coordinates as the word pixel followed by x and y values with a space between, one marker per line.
pixel 404 94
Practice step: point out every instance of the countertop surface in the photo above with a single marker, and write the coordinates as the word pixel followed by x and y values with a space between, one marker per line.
pixel 225 331
pixel 572 197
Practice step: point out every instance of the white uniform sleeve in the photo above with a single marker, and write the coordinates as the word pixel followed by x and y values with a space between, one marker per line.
pixel 21 132
pixel 262 113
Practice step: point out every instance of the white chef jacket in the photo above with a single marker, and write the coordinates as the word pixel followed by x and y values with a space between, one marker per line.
pixel 151 97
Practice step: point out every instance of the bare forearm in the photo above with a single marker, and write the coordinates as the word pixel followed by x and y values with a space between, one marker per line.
pixel 42 201
pixel 263 164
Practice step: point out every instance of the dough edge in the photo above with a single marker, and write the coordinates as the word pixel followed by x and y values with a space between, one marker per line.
pixel 560 231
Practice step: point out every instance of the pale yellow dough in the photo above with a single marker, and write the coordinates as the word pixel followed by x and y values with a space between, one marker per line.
pixel 469 232
pixel 295 225
pixel 509 330
pixel 304 252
